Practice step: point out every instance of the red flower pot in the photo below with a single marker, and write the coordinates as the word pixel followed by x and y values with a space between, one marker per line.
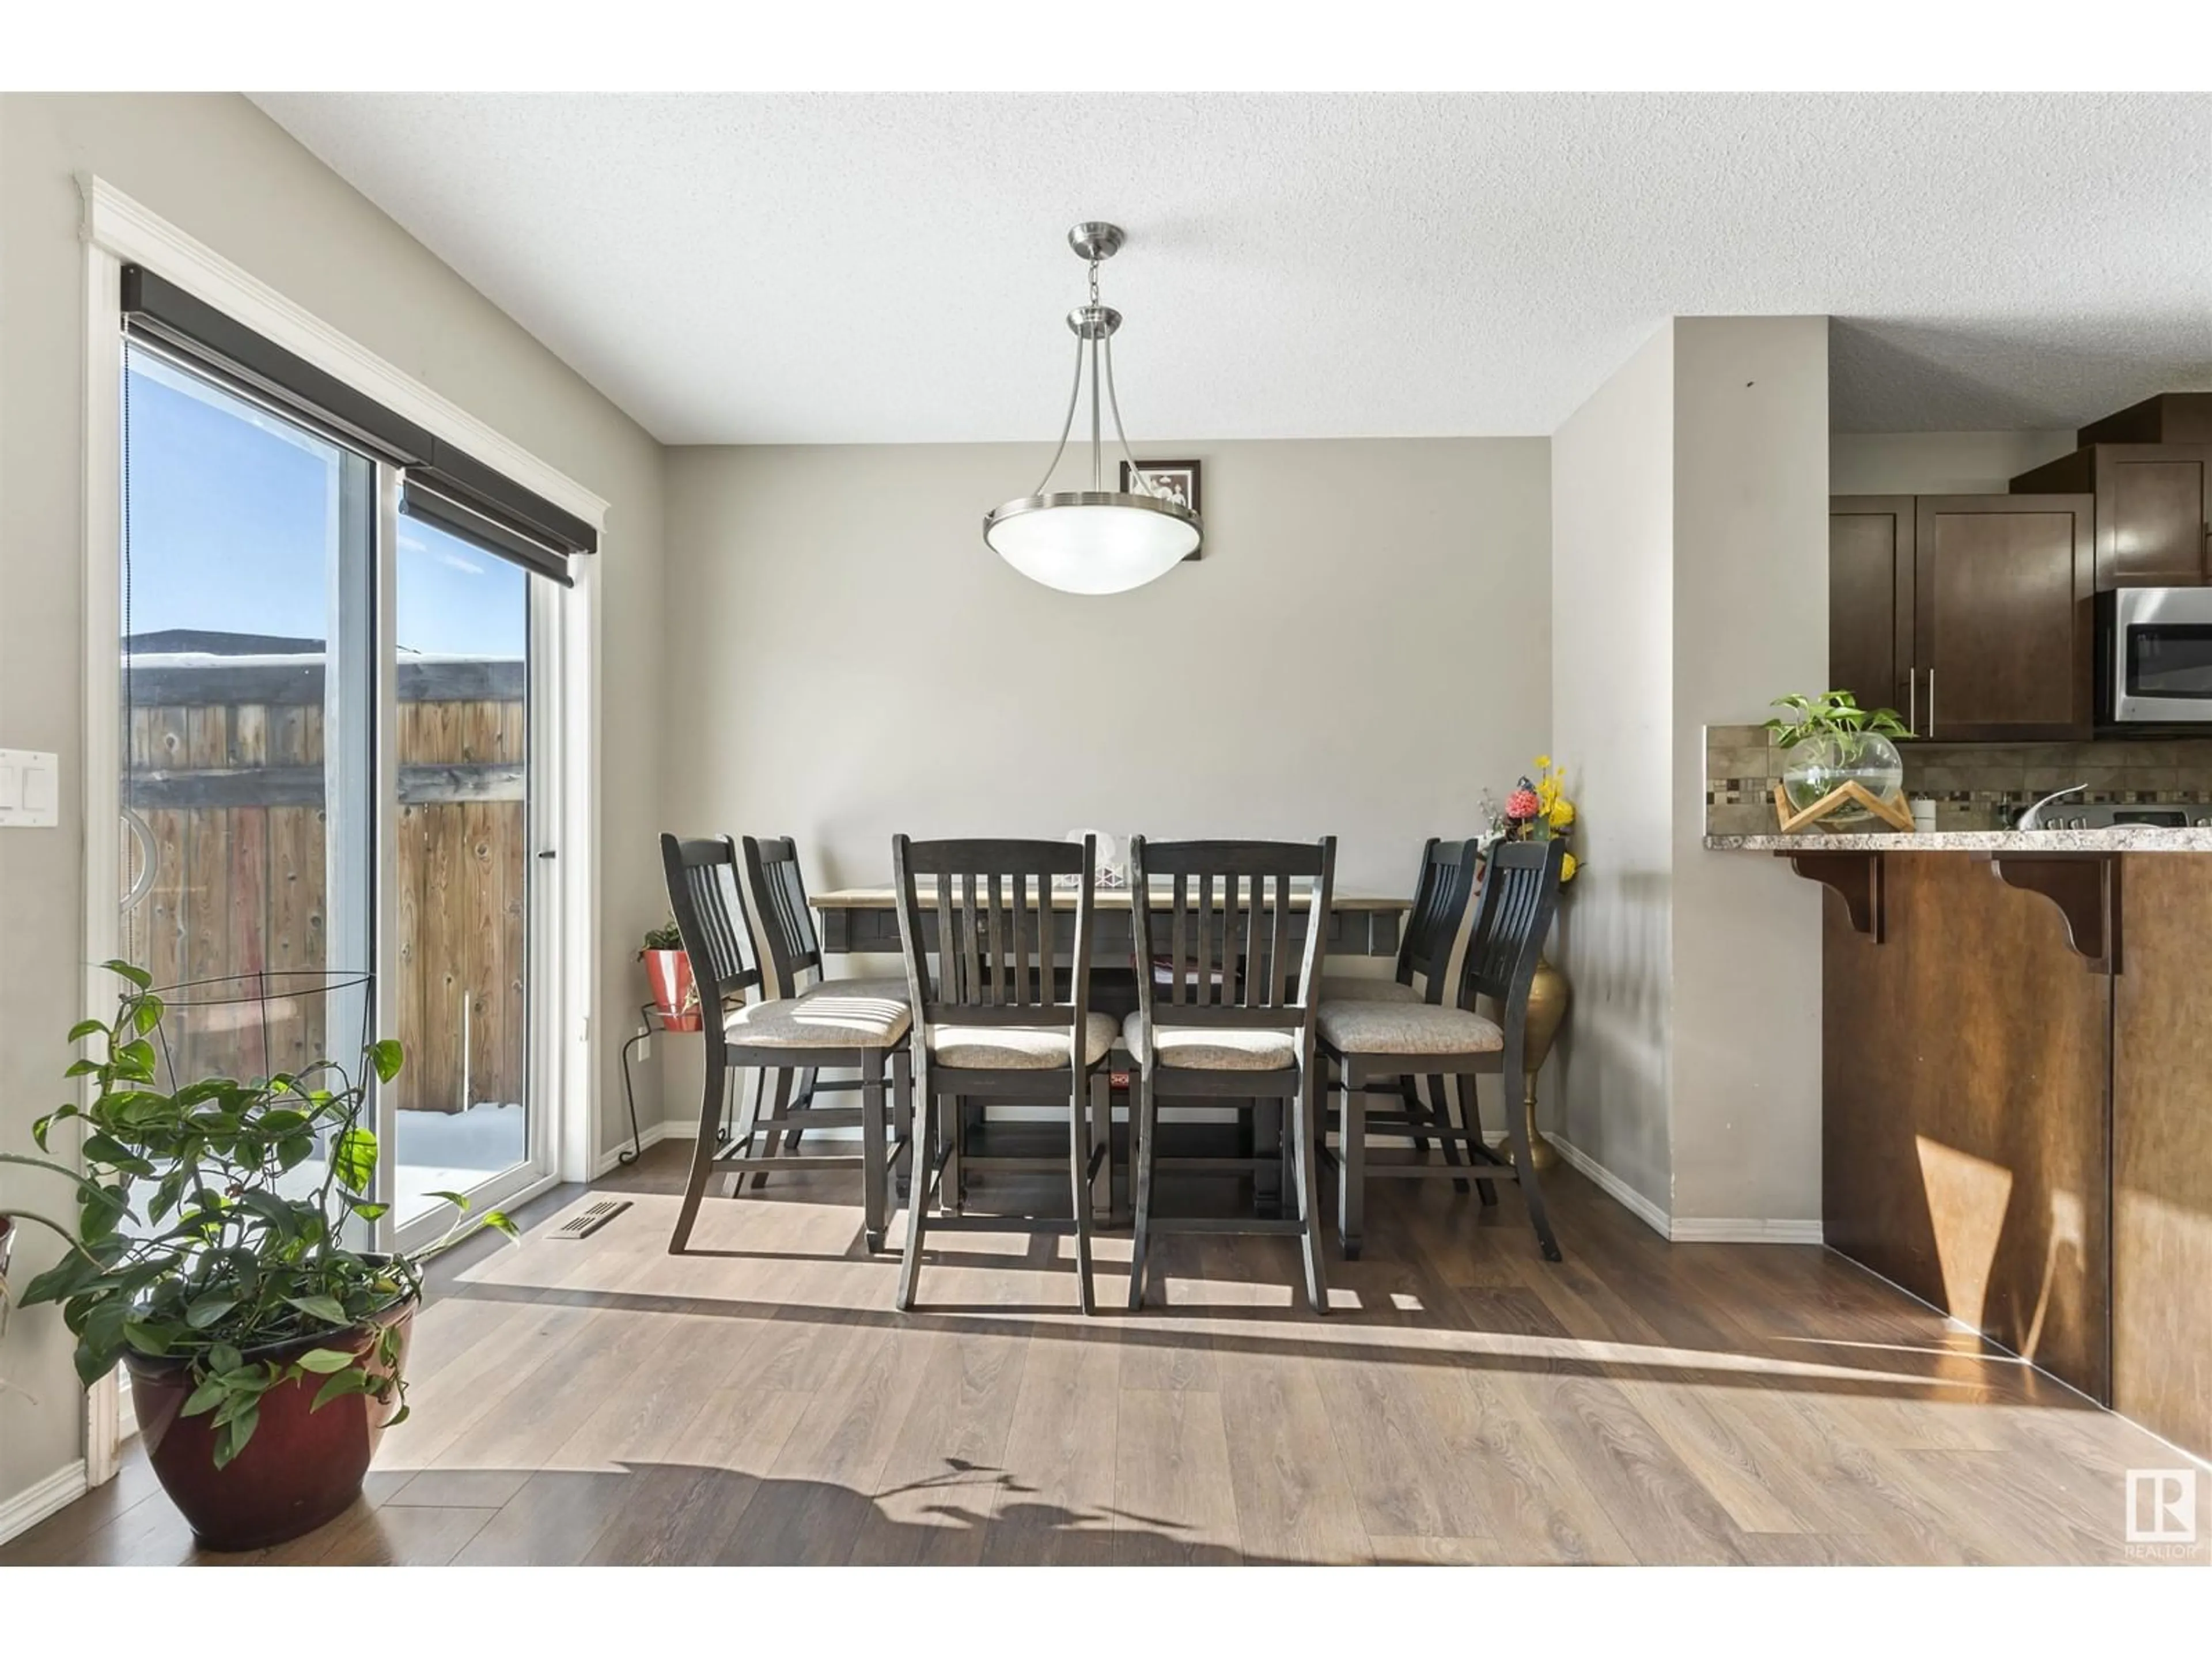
pixel 670 973
pixel 300 1468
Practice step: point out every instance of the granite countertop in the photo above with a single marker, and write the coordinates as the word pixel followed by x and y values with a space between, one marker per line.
pixel 2128 838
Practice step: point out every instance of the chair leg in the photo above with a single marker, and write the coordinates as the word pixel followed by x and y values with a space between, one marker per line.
pixel 1082 1101
pixel 1352 1162
pixel 1142 1176
pixel 903 1117
pixel 1532 1190
pixel 1441 1110
pixel 1470 1119
pixel 1409 1091
pixel 1101 1134
pixel 1304 1133
pixel 702 1158
pixel 874 1150
pixel 802 1096
pixel 917 1203
pixel 955 1173
pixel 774 1143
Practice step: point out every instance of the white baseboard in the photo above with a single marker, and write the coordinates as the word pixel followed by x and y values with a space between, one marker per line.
pixel 1738 1230
pixel 1612 1185
pixel 1686 1230
pixel 651 1136
pixel 34 1504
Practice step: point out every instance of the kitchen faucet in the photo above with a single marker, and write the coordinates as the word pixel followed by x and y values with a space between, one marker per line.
pixel 2032 819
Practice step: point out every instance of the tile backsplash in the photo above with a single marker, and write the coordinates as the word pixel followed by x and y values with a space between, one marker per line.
pixel 1976 786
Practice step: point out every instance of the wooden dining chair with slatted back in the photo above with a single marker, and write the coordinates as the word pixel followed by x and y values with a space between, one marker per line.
pixel 780 1034
pixel 789 952
pixel 991 1021
pixel 1226 1005
pixel 1519 891
pixel 1427 949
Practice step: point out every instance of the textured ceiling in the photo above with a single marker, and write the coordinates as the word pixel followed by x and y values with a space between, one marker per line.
pixel 744 269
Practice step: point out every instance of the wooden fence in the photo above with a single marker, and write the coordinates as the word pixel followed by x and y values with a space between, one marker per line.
pixel 227 775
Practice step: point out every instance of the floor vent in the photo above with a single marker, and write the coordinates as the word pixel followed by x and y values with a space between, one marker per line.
pixel 589 1219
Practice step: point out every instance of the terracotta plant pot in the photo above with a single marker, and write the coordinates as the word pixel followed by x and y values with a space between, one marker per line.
pixel 300 1468
pixel 670 973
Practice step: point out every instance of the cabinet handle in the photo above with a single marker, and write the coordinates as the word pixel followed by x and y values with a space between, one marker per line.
pixel 1931 703
pixel 1913 700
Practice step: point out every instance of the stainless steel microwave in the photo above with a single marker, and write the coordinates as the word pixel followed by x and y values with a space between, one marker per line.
pixel 2154 656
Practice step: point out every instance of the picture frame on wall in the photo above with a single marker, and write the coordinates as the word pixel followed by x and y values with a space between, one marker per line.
pixel 1177 480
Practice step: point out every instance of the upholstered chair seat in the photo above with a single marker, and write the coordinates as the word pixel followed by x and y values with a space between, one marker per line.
pixel 1017 1047
pixel 1410 1028
pixel 826 1019
pixel 891 987
pixel 1211 1049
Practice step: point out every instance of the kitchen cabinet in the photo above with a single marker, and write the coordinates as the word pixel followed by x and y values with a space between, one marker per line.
pixel 1869 598
pixel 2171 417
pixel 1970 615
pixel 2153 503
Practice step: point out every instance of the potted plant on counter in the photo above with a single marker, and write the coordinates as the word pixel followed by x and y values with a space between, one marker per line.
pixel 670 971
pixel 215 1253
pixel 1839 762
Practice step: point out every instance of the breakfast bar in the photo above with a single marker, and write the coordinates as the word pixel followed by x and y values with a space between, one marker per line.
pixel 2017 1091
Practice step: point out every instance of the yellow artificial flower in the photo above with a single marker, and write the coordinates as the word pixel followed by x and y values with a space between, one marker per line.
pixel 1568 866
pixel 1543 762
pixel 1562 812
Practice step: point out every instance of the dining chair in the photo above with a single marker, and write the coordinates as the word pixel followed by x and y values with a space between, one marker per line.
pixel 1226 1015
pixel 789 953
pixel 781 1034
pixel 1519 891
pixel 1442 891
pixel 990 1022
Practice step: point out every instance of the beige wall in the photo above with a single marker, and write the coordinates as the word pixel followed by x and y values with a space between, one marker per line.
pixel 1613 489
pixel 1937 463
pixel 1750 622
pixel 1689 572
pixel 221 172
pixel 1364 646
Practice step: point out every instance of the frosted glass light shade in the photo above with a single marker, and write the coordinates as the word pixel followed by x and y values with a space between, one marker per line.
pixel 1092 541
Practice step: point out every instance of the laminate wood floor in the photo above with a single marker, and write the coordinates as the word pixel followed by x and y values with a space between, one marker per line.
pixel 1467 1402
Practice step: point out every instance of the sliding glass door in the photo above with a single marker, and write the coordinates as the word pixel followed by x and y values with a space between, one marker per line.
pixel 458 995
pixel 334 793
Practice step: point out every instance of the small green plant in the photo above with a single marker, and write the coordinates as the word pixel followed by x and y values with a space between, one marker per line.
pixel 663 938
pixel 1832 714
pixel 228 1257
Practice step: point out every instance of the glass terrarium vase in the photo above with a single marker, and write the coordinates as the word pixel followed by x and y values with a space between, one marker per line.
pixel 1824 763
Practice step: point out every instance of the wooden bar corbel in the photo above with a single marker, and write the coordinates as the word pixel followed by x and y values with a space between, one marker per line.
pixel 2085 888
pixel 1856 878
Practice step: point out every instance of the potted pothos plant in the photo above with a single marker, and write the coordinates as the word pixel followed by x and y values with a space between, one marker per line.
pixel 670 970
pixel 218 1252
pixel 1828 741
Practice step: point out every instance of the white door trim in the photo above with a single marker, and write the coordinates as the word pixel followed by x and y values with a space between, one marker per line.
pixel 118 230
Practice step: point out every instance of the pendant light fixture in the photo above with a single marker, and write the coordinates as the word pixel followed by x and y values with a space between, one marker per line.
pixel 1095 540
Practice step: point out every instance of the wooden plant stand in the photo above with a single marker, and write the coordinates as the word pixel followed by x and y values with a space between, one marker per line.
pixel 1893 812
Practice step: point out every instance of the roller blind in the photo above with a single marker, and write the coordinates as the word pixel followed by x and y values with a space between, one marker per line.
pixel 441 483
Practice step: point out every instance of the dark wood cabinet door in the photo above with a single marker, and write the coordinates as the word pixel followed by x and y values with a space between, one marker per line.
pixel 2003 617
pixel 1870 598
pixel 2152 504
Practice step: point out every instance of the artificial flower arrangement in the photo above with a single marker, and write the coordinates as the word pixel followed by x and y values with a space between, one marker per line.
pixel 1537 811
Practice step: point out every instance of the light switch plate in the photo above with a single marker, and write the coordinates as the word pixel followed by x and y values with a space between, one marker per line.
pixel 30 789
